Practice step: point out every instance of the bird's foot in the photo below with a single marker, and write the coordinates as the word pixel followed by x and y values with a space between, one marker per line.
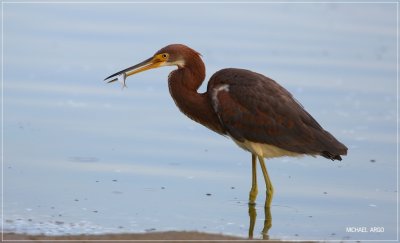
pixel 252 203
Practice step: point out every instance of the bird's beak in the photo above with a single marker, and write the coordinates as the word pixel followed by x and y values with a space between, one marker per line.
pixel 152 62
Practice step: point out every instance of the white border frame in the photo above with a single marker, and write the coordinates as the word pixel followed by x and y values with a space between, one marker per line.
pixel 194 2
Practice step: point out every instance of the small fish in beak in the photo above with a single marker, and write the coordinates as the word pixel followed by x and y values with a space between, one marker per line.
pixel 152 62
pixel 122 79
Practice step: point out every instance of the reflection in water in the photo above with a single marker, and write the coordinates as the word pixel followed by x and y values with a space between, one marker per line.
pixel 267 220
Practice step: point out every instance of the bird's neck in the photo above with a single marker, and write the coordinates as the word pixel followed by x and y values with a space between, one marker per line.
pixel 183 85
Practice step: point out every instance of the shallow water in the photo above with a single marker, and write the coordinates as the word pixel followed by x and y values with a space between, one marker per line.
pixel 81 156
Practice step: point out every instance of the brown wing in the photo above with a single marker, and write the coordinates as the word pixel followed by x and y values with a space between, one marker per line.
pixel 255 108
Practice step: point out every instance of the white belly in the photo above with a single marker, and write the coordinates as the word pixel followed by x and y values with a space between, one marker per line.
pixel 265 150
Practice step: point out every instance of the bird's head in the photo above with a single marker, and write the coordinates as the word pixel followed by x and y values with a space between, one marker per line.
pixel 171 55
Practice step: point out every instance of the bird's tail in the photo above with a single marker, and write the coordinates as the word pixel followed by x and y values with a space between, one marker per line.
pixel 332 147
pixel 331 156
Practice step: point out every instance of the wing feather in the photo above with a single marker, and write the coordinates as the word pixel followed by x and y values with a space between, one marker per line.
pixel 257 109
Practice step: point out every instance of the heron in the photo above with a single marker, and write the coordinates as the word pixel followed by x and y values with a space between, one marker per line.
pixel 257 113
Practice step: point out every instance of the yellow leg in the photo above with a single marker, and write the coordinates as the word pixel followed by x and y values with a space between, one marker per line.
pixel 254 190
pixel 268 184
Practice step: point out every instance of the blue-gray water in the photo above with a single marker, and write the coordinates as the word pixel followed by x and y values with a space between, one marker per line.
pixel 82 156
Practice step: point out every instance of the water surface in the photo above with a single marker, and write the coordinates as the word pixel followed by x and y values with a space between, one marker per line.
pixel 81 156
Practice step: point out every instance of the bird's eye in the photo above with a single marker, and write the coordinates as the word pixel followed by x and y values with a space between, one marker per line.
pixel 164 56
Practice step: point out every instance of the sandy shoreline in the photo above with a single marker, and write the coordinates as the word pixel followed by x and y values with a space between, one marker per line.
pixel 171 236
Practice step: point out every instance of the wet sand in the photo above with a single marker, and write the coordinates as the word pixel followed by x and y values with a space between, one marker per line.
pixel 140 237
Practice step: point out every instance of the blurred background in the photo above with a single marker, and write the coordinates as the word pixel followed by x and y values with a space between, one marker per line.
pixel 83 156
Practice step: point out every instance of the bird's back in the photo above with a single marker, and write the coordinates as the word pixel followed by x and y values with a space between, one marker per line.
pixel 254 108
